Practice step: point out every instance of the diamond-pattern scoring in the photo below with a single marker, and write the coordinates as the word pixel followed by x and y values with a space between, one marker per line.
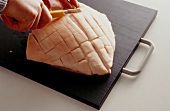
pixel 81 42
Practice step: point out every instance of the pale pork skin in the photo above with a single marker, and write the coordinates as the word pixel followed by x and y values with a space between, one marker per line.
pixel 82 42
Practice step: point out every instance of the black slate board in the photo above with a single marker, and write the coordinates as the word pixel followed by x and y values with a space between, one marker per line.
pixel 130 23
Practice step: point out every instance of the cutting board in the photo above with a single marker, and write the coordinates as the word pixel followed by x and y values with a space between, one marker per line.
pixel 130 22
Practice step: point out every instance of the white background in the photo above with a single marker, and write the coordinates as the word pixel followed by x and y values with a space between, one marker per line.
pixel 150 91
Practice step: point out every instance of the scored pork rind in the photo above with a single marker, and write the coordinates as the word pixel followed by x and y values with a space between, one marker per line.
pixel 82 42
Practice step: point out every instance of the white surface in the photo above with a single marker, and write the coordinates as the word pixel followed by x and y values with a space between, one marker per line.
pixel 148 92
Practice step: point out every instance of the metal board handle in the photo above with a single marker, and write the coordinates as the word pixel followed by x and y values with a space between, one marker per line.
pixel 143 62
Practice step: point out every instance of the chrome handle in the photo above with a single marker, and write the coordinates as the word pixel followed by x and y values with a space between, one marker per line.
pixel 142 64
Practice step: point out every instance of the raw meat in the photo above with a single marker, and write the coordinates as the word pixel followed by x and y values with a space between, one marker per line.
pixel 82 42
